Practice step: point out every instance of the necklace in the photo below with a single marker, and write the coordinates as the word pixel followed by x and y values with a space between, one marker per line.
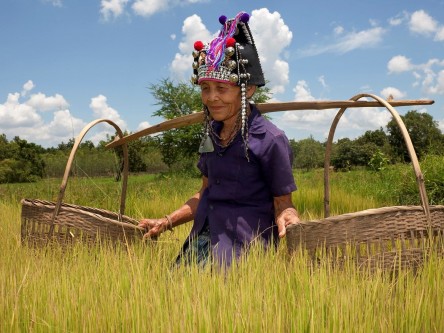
pixel 230 138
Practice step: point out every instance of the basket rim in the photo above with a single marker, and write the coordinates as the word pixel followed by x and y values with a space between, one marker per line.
pixel 368 212
pixel 94 212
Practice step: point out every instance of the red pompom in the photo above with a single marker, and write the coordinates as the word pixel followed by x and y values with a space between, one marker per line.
pixel 230 42
pixel 198 46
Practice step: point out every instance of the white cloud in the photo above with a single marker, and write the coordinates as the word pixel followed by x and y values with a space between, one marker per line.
pixel 302 92
pixel 16 114
pixel 431 79
pixel 41 102
pixel 192 30
pixel 143 125
pixel 440 34
pixel 101 109
pixel 353 122
pixel 360 39
pixel 393 93
pixel 422 23
pixel 398 19
pixel 272 36
pixel 112 8
pixel 149 7
pixel 437 86
pixel 62 127
pixel 347 42
pixel 22 115
pixel 441 125
pixel 321 79
pixel 22 118
pixel 55 3
pixel 366 119
pixel 338 30
pixel 399 64
pixel 27 87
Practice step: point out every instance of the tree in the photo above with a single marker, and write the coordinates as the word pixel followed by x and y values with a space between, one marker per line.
pixel 20 161
pixel 176 100
pixel 378 137
pixel 348 153
pixel 308 153
pixel 424 133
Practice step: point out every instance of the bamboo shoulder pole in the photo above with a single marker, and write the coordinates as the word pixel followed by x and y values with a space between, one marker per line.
pixel 198 117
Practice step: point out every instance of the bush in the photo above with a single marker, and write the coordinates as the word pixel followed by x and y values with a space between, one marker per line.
pixel 432 168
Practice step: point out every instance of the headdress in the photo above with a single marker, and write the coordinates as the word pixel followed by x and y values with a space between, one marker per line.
pixel 232 58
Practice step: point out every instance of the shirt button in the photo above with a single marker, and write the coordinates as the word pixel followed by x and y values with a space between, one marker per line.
pixel 217 181
pixel 220 154
pixel 211 207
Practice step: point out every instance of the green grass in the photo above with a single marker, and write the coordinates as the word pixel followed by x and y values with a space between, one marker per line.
pixel 134 289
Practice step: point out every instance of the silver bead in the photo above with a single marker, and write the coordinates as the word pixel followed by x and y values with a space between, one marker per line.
pixel 234 78
pixel 231 64
pixel 229 51
pixel 195 54
pixel 195 65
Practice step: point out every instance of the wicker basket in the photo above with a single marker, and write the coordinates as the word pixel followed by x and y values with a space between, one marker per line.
pixel 46 222
pixel 387 238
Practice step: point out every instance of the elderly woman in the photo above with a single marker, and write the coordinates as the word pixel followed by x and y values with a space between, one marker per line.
pixel 245 160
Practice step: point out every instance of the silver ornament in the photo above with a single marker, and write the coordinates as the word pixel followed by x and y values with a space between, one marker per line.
pixel 234 78
pixel 229 51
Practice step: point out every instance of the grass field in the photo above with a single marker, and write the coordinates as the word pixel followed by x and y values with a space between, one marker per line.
pixel 134 288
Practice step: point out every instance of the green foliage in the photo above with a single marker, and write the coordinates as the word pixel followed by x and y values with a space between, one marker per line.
pixel 309 153
pixel 176 100
pixel 378 162
pixel 423 131
pixel 20 161
pixel 432 168
pixel 347 154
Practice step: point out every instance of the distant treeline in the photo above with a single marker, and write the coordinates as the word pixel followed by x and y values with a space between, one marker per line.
pixel 176 151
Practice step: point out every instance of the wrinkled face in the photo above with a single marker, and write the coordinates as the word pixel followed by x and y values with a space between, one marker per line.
pixel 223 100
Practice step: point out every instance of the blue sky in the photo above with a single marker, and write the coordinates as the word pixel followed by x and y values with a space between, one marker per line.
pixel 64 63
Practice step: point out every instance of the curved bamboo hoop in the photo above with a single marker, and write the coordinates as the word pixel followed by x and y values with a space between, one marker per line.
pixel 408 142
pixel 77 142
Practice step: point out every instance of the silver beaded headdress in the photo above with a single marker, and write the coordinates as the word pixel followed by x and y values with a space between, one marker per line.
pixel 232 58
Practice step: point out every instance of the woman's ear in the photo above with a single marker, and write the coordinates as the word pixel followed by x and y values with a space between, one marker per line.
pixel 250 91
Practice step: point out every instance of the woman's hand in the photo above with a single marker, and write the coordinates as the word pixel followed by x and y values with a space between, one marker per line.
pixel 285 218
pixel 285 212
pixel 154 227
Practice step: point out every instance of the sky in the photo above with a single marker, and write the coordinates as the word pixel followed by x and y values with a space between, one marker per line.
pixel 65 63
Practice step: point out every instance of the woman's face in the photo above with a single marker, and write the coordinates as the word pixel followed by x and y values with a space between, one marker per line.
pixel 223 100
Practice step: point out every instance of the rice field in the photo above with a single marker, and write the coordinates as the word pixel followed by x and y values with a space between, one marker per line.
pixel 135 288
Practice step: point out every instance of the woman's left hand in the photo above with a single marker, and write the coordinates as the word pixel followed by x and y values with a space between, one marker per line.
pixel 285 212
pixel 287 217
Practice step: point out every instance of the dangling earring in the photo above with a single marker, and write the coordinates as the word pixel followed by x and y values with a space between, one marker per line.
pixel 244 130
pixel 243 107
pixel 206 145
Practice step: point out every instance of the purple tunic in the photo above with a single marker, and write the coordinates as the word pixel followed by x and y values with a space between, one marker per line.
pixel 238 201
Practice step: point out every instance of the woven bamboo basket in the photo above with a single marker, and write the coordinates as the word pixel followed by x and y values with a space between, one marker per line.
pixel 44 222
pixel 382 238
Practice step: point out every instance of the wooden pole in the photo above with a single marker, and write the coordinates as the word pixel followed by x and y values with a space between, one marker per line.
pixel 198 117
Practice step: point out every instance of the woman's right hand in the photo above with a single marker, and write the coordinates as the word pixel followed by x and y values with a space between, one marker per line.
pixel 154 227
